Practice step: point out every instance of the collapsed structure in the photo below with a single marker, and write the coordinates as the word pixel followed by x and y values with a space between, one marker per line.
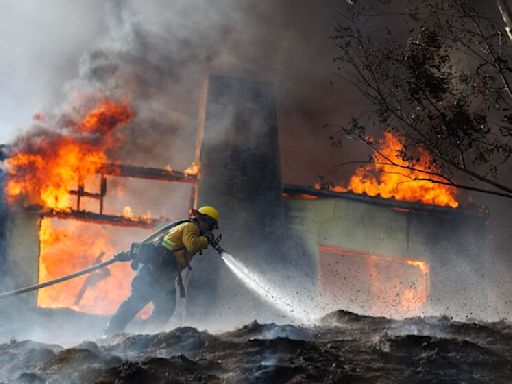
pixel 352 251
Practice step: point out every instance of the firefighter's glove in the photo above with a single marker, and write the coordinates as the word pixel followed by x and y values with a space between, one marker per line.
pixel 135 255
pixel 215 242
pixel 143 253
pixel 211 237
pixel 135 265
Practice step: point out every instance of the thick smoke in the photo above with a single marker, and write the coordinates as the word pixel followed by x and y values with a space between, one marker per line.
pixel 37 57
pixel 158 53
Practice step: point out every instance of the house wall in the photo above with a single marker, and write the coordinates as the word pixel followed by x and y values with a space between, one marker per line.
pixel 3 233
pixel 452 242
pixel 22 251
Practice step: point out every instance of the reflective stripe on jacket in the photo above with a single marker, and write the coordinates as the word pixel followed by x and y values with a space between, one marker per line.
pixel 185 241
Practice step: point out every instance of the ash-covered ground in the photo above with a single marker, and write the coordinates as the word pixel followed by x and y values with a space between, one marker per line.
pixel 342 348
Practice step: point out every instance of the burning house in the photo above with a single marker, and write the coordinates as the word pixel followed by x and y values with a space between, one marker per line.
pixel 361 248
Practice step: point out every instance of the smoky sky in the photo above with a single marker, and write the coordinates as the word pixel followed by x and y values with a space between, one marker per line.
pixel 159 53
pixel 39 52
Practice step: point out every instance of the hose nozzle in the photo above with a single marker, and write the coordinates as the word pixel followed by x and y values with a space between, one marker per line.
pixel 216 244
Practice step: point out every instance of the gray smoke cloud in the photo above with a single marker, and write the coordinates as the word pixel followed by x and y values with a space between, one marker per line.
pixel 41 45
pixel 158 53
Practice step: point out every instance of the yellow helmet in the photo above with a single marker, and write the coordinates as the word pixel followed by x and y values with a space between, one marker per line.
pixel 209 211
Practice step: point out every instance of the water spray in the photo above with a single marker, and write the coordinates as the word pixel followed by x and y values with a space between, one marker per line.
pixel 261 286
pixel 264 289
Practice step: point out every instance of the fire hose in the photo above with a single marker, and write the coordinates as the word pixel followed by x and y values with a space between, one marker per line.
pixel 122 256
pixel 59 280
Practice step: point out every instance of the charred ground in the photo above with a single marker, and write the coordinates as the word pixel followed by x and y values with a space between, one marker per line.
pixel 343 347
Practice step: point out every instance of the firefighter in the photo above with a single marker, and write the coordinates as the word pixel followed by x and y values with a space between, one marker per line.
pixel 159 267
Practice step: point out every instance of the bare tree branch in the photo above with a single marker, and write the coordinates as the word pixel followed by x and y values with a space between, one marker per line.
pixel 460 111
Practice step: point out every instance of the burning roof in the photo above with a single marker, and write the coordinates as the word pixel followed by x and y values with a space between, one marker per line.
pixel 391 175
pixel 47 164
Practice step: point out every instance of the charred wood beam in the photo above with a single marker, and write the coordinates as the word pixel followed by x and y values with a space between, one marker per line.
pixel 305 192
pixel 122 170
pixel 86 194
pixel 113 220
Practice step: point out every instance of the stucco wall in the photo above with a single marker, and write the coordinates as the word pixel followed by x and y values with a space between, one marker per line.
pixel 452 242
pixel 3 233
pixel 240 176
pixel 23 250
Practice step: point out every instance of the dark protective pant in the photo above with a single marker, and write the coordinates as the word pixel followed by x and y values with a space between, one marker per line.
pixel 146 288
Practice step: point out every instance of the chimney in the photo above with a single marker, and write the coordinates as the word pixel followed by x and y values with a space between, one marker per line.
pixel 240 176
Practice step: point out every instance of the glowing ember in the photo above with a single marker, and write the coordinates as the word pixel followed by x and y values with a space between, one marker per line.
pixel 300 196
pixel 48 165
pixel 128 213
pixel 147 217
pixel 390 176
pixel 192 170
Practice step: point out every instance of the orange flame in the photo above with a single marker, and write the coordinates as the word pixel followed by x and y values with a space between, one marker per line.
pixel 53 163
pixel 147 217
pixel 69 246
pixel 127 212
pixel 44 168
pixel 105 117
pixel 192 170
pixel 391 176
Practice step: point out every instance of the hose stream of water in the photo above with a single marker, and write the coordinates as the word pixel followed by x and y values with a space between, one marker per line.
pixel 265 290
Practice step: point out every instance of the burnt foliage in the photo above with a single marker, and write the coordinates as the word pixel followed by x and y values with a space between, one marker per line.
pixel 342 348
pixel 438 74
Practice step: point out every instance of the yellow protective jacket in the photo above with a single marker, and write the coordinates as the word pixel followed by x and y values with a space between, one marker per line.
pixel 185 241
